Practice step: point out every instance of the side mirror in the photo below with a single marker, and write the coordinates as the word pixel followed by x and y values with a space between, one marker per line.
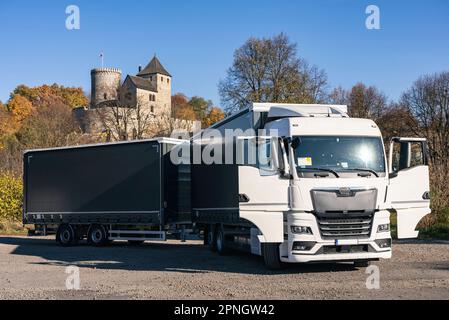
pixel 296 141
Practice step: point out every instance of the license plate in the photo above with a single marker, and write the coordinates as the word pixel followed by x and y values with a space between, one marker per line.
pixel 345 242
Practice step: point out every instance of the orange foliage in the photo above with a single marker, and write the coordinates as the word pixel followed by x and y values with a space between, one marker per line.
pixel 45 95
pixel 214 115
pixel 20 108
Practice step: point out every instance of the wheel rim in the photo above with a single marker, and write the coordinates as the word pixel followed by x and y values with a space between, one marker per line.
pixel 97 236
pixel 65 236
pixel 210 238
pixel 219 241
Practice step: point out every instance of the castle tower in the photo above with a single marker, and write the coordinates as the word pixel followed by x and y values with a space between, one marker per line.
pixel 105 85
pixel 161 80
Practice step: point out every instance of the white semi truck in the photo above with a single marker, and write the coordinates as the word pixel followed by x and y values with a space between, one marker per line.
pixel 325 194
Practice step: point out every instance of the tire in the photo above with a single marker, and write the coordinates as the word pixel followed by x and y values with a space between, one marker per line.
pixel 66 236
pixel 362 263
pixel 220 242
pixel 212 238
pixel 271 256
pixel 97 236
pixel 206 236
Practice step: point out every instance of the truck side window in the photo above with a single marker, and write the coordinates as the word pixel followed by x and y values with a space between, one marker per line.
pixel 408 154
pixel 264 154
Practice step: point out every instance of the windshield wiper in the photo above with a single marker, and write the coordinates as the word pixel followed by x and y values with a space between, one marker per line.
pixel 364 170
pixel 322 169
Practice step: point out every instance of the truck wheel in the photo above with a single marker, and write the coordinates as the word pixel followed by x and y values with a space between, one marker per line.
pixel 271 256
pixel 212 238
pixel 96 236
pixel 65 235
pixel 221 247
pixel 206 236
pixel 361 263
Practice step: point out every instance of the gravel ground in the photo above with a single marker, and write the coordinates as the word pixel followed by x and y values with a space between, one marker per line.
pixel 34 268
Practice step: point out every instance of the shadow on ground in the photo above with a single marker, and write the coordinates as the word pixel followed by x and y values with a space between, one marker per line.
pixel 175 257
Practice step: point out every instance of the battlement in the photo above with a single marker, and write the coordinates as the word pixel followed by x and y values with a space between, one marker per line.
pixel 106 70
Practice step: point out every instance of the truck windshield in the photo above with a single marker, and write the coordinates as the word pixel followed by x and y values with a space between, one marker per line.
pixel 340 154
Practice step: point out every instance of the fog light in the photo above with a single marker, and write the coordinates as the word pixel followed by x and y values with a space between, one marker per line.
pixel 303 245
pixel 301 230
pixel 383 243
pixel 383 228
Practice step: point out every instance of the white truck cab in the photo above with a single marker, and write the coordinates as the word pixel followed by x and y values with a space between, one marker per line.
pixel 328 190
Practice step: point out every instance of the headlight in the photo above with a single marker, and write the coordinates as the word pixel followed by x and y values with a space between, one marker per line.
pixel 301 230
pixel 383 227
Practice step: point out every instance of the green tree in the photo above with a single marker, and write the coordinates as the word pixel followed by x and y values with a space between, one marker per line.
pixel 200 106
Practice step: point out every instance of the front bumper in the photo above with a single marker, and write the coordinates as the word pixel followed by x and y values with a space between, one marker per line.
pixel 333 249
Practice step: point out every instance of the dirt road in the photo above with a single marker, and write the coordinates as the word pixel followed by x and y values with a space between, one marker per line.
pixel 35 268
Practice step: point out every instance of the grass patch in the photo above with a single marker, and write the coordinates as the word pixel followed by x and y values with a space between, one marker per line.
pixel 12 228
pixel 438 231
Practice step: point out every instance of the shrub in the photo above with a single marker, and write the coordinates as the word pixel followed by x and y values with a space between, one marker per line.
pixel 437 231
pixel 11 197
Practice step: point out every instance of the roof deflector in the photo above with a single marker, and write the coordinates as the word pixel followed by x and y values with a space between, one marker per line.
pixel 307 110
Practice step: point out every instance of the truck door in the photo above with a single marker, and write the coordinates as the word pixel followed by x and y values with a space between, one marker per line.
pixel 409 190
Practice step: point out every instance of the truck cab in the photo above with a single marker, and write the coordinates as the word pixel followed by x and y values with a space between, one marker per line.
pixel 328 189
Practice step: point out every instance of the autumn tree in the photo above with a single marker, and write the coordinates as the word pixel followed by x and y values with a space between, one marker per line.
pixel 182 109
pixel 41 95
pixel 362 101
pixel 214 115
pixel 200 106
pixel 20 108
pixel 196 108
pixel 48 127
pixel 6 122
pixel 269 70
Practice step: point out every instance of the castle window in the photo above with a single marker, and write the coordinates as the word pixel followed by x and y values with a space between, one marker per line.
pixel 168 80
pixel 105 96
pixel 162 78
pixel 152 109
pixel 151 78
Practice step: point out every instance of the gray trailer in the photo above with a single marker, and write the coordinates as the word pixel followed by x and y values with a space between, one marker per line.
pixel 116 191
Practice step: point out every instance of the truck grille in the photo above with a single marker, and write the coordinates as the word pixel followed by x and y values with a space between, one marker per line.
pixel 345 228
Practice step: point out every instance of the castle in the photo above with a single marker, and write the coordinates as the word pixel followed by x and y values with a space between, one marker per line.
pixel 150 88
pixel 120 106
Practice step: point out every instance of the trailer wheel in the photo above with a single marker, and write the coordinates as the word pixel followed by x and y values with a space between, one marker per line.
pixel 65 235
pixel 97 236
pixel 222 249
pixel 271 256
pixel 212 238
pixel 362 263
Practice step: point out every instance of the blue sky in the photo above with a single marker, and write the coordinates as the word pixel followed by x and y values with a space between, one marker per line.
pixel 195 40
